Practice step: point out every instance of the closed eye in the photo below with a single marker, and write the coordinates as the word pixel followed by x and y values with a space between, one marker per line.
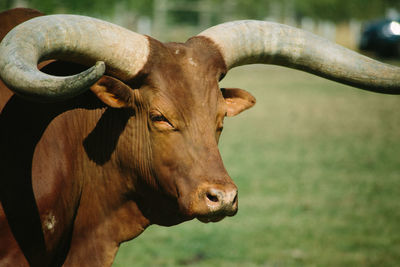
pixel 160 120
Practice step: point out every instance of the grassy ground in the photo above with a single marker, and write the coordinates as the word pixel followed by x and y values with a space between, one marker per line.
pixel 318 170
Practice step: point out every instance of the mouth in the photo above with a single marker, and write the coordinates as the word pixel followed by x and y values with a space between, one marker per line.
pixel 216 216
pixel 207 219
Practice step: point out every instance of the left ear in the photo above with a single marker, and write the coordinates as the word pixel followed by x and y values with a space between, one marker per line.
pixel 237 100
pixel 112 92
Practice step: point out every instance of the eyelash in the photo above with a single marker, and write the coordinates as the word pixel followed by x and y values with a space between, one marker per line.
pixel 159 118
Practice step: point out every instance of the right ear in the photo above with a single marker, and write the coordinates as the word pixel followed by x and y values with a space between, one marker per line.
pixel 237 100
pixel 112 92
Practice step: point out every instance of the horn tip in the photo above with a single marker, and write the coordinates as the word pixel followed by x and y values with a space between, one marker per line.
pixel 100 67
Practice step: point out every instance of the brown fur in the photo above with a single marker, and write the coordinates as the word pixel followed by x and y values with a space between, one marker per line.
pixel 8 20
pixel 80 177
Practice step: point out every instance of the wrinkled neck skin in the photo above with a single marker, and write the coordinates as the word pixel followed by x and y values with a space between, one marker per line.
pixel 108 213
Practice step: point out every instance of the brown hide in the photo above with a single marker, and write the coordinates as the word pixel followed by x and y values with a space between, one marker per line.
pixel 8 20
pixel 13 17
pixel 81 176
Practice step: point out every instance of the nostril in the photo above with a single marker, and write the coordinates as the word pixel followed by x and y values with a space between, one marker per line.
pixel 212 198
pixel 235 199
pixel 218 201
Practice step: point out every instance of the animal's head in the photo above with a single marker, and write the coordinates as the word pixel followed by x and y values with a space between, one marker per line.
pixel 173 91
pixel 179 112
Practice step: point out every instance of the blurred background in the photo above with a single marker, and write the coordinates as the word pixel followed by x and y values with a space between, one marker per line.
pixel 317 163
pixel 341 21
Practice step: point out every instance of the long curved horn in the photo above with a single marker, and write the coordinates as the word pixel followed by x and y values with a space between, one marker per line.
pixel 248 42
pixel 73 38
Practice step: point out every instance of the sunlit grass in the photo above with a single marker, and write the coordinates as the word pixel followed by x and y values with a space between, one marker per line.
pixel 318 170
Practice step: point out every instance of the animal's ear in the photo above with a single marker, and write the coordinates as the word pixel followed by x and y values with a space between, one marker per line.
pixel 112 92
pixel 237 100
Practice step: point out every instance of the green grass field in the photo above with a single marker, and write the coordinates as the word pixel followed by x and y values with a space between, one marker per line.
pixel 318 170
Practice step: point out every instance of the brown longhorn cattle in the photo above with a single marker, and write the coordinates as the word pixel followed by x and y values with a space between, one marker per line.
pixel 83 170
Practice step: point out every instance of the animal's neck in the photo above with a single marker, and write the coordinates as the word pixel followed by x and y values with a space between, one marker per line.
pixel 87 193
pixel 107 213
pixel 61 173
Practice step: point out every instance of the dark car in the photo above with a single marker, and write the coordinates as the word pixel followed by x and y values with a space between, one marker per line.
pixel 382 37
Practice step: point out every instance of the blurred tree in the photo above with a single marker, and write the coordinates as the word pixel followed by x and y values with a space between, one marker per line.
pixel 333 10
pixel 344 10
pixel 100 7
pixel 142 7
pixel 252 8
pixel 5 4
